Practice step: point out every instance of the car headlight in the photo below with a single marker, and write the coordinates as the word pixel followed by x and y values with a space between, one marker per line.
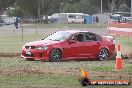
pixel 41 48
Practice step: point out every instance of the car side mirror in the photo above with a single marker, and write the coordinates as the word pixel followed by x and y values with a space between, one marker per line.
pixel 71 41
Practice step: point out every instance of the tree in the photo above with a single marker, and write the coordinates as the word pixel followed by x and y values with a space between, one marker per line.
pixel 5 4
pixel 70 6
pixel 128 2
pixel 16 12
pixel 115 5
pixel 36 8
pixel 70 1
pixel 88 6
pixel 28 7
pixel 45 6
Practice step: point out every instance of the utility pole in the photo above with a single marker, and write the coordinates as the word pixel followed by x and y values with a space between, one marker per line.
pixel 38 9
pixel 131 11
pixel 101 6
pixel 61 7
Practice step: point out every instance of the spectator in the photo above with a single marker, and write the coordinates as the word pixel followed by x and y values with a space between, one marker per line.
pixel 84 20
pixel 16 22
pixel 97 20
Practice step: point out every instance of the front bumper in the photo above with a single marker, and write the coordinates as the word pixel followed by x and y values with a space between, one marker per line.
pixel 35 54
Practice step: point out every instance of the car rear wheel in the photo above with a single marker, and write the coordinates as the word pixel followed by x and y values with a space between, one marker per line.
pixel 103 54
pixel 55 55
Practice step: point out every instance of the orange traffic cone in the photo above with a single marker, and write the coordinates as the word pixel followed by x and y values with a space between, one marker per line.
pixel 118 64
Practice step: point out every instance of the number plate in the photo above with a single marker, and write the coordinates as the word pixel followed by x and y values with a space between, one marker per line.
pixel 28 53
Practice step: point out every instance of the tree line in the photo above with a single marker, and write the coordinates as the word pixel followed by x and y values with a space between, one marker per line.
pixel 38 8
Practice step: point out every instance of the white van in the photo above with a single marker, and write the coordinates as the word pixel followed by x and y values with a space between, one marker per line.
pixel 70 17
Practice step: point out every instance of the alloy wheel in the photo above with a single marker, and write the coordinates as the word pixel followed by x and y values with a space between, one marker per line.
pixel 103 54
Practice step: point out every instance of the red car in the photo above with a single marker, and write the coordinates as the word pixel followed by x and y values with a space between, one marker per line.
pixel 70 44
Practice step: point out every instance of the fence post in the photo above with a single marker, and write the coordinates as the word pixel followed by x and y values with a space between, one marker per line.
pixel 13 27
pixel 22 30
pixel 36 28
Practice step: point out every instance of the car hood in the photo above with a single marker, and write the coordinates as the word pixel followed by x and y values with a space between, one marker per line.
pixel 42 42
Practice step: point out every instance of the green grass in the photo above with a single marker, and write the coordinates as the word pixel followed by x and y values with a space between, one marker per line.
pixel 125 40
pixel 126 44
pixel 126 68
pixel 39 81
pixel 15 72
pixel 14 43
pixel 18 73
pixel 47 81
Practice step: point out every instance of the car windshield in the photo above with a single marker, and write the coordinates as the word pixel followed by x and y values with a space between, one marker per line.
pixel 58 36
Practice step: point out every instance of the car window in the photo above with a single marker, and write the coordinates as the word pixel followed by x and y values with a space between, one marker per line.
pixel 71 16
pixel 78 37
pixel 58 36
pixel 98 38
pixel 90 37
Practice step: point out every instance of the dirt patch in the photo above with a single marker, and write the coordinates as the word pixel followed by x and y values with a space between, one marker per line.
pixel 10 54
pixel 29 71
pixel 65 72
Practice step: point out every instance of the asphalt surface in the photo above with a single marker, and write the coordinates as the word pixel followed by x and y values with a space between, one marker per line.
pixel 10 30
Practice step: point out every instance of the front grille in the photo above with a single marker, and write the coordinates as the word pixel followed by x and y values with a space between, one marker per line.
pixel 29 47
pixel 27 55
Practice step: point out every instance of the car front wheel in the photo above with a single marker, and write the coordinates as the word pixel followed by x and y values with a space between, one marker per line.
pixel 103 54
pixel 55 55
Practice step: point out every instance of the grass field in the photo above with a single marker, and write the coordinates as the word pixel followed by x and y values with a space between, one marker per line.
pixel 126 44
pixel 16 72
pixel 14 43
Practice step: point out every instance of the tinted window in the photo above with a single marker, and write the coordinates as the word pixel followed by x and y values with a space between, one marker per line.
pixel 78 37
pixel 90 37
pixel 71 16
pixel 58 36
pixel 98 38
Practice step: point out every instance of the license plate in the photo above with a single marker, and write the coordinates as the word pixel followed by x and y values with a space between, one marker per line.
pixel 28 53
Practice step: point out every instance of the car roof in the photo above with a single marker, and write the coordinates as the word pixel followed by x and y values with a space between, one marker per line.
pixel 77 31
pixel 74 31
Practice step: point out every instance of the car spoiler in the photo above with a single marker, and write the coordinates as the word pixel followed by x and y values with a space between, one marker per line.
pixel 109 37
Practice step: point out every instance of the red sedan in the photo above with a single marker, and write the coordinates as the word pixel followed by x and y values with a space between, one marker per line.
pixel 70 44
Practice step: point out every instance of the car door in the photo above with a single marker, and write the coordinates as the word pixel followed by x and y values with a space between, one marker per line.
pixel 92 45
pixel 74 50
